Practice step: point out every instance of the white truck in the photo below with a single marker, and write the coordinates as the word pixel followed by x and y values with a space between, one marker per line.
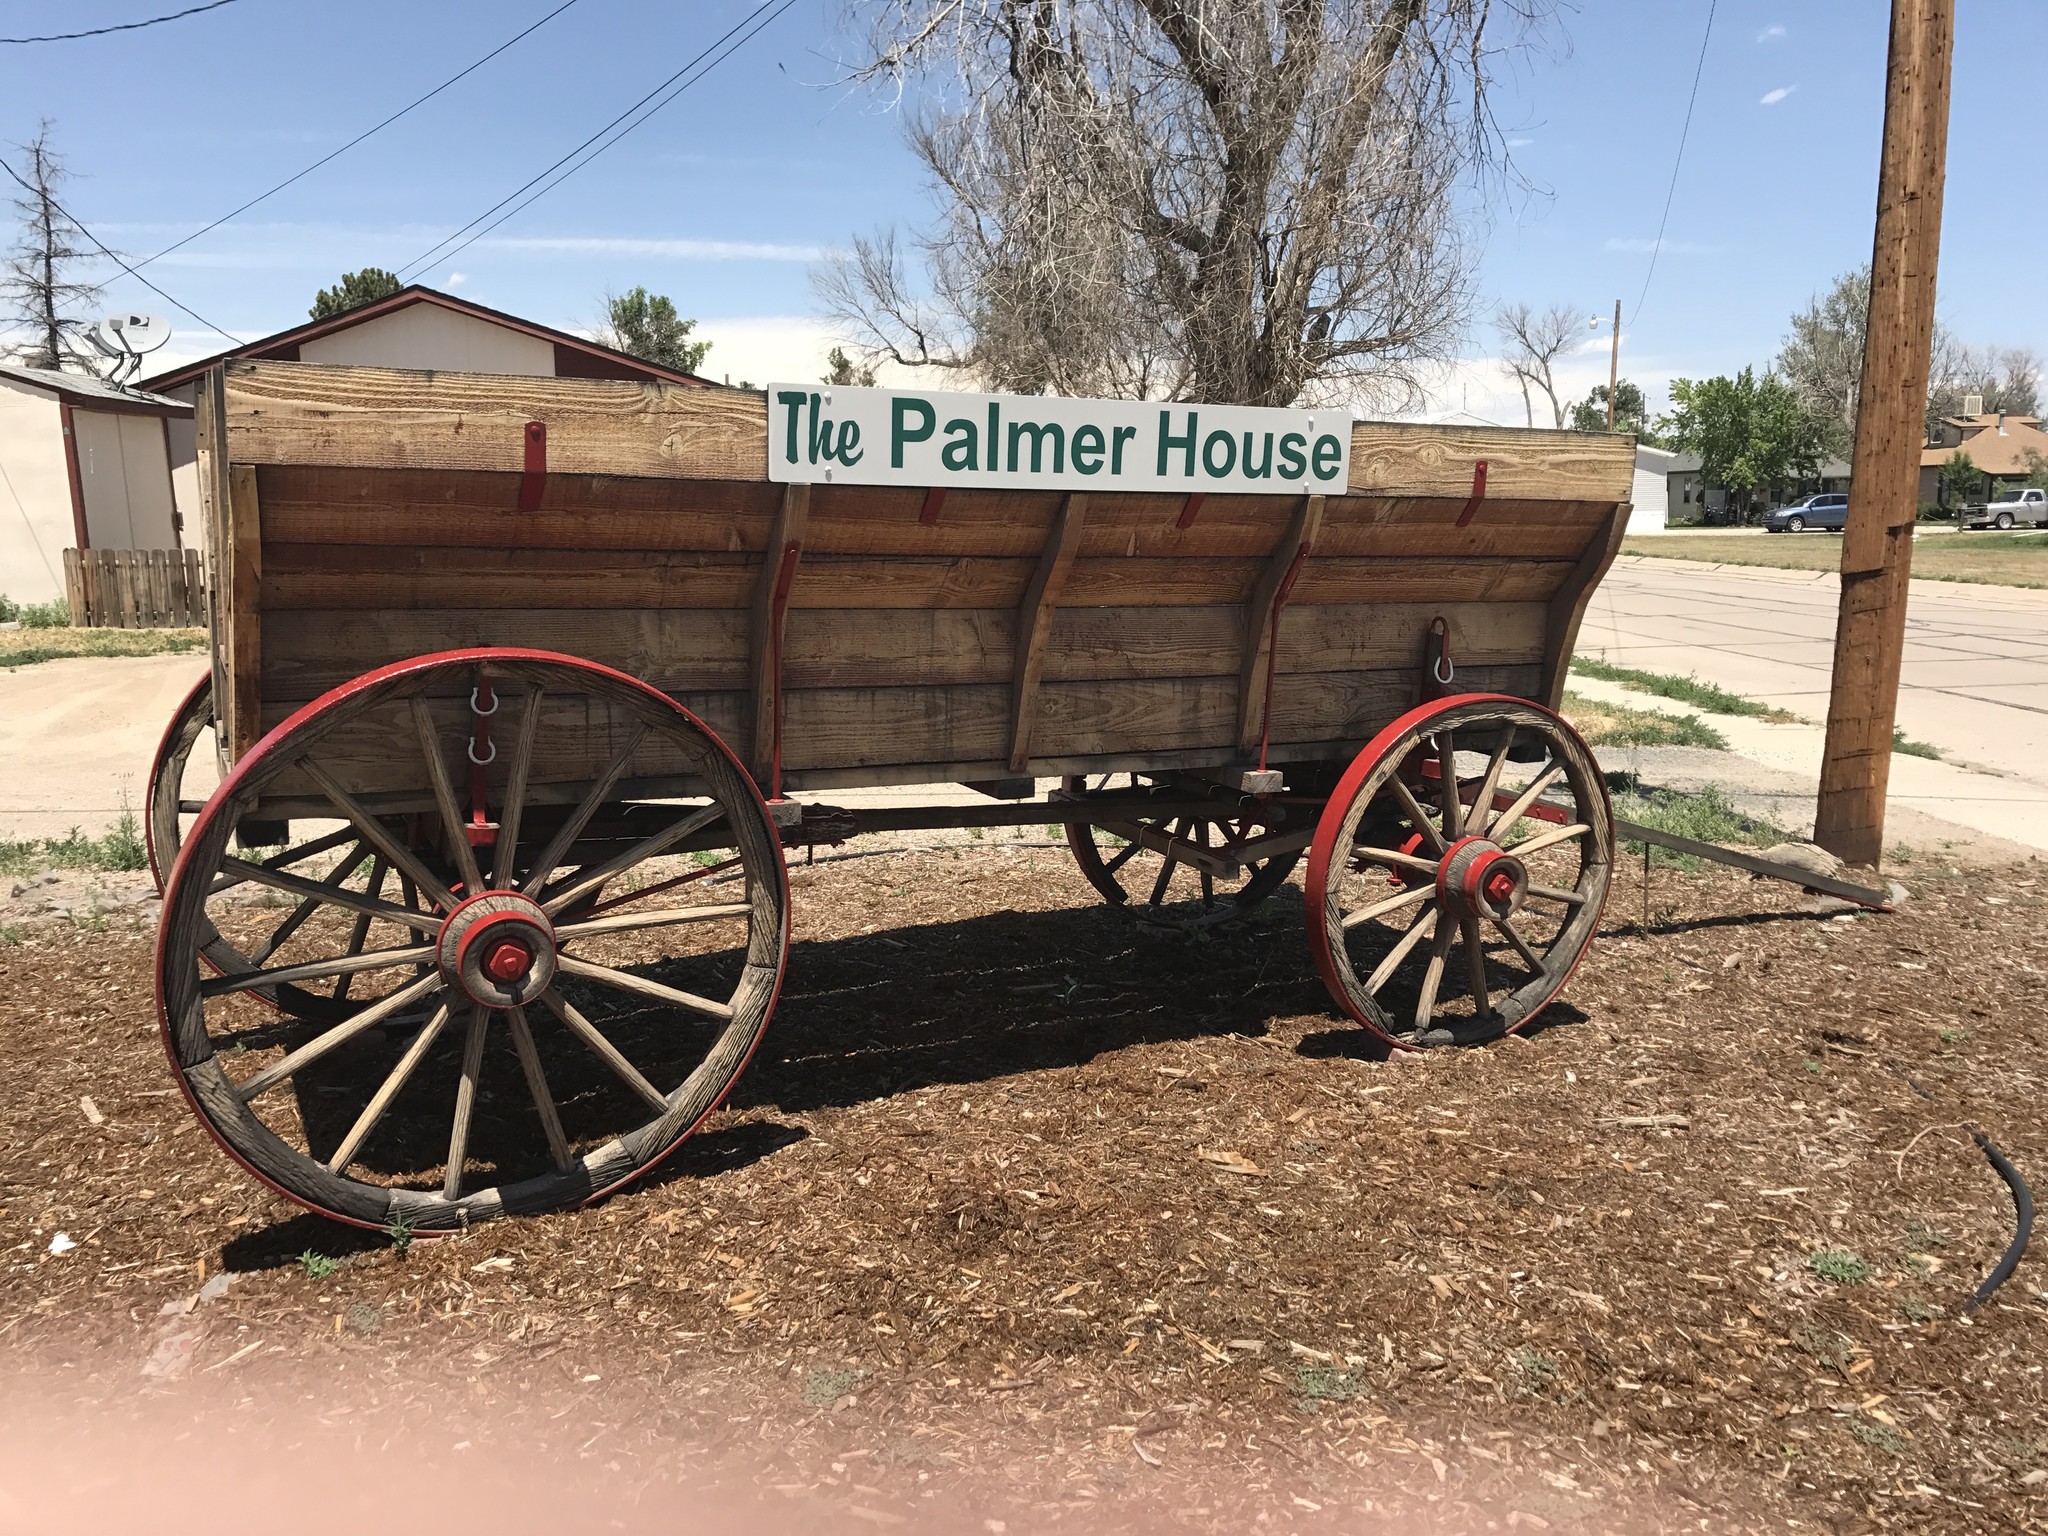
pixel 2011 506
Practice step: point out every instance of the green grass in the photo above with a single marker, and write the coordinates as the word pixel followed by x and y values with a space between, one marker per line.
pixel 1686 690
pixel 121 848
pixel 1841 1265
pixel 24 647
pixel 1900 743
pixel 317 1266
pixel 1708 817
pixel 1327 1384
pixel 1985 559
pixel 1616 725
pixel 55 615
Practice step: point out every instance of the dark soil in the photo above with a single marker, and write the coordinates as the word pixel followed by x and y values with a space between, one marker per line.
pixel 1028 1216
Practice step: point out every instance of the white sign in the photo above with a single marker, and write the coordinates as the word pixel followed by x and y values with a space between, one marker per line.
pixel 843 435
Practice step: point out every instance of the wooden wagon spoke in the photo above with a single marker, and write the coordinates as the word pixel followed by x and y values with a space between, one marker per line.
pixel 1432 978
pixel 465 1101
pixel 296 918
pixel 1521 945
pixel 1412 808
pixel 378 834
pixel 1475 964
pixel 360 933
pixel 1208 880
pixel 444 798
pixel 1447 787
pixel 339 1035
pixel 318 970
pixel 1424 927
pixel 626 981
pixel 1552 893
pixel 1395 858
pixel 537 1085
pixel 289 857
pixel 666 917
pixel 589 1034
pixel 1166 868
pixel 1381 908
pixel 514 809
pixel 1123 856
pixel 340 896
pixel 1482 802
pixel 1548 838
pixel 1528 797
pixel 661 887
pixel 380 1101
pixel 580 817
pixel 590 878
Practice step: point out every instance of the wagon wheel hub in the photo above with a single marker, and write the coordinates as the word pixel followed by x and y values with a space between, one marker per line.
pixel 499 948
pixel 1477 876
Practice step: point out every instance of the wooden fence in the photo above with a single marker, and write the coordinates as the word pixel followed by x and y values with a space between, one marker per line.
pixel 135 588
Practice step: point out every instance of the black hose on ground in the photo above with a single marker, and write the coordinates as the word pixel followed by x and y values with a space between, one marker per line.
pixel 2023 1209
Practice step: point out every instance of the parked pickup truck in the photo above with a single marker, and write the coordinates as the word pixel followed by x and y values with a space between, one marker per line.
pixel 2016 504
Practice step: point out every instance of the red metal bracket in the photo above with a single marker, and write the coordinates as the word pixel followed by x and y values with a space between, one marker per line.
pixel 934 502
pixel 1189 508
pixel 481 831
pixel 1478 493
pixel 535 480
pixel 1437 668
pixel 778 608
pixel 1280 596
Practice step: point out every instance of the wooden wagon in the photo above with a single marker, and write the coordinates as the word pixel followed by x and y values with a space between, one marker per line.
pixel 522 687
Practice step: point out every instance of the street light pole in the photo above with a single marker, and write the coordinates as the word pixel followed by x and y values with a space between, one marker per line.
pixel 1877 544
pixel 1614 366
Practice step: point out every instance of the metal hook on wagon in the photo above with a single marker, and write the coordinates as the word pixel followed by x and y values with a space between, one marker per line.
pixel 497 702
pixel 1437 657
pixel 482 762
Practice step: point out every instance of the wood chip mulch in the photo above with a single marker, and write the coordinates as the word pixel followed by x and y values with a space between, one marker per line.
pixel 1028 1217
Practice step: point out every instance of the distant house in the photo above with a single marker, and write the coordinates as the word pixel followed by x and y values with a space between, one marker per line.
pixel 1997 443
pixel 1652 494
pixel 83 465
pixel 415 327
pixel 1689 497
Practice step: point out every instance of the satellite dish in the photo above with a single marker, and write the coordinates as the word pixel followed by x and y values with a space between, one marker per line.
pixel 103 340
pixel 139 333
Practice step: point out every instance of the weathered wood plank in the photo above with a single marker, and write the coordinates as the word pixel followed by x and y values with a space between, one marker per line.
pixel 393 418
pixel 356 577
pixel 1402 458
pixel 242 707
pixel 1282 570
pixel 1034 621
pixel 1567 605
pixel 775 579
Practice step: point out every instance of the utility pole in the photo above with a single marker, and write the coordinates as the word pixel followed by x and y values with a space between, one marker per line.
pixel 1614 365
pixel 1877 545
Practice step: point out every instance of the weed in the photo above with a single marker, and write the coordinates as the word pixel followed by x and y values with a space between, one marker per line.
pixel 1918 1311
pixel 829 1383
pixel 120 848
pixel 1902 743
pixel 51 615
pixel 1879 1437
pixel 1538 1367
pixel 27 646
pixel 1326 1384
pixel 1830 1349
pixel 703 858
pixel 1843 1266
pixel 400 1229
pixel 317 1266
pixel 364 1318
pixel 11 934
pixel 1812 1065
pixel 1901 854
pixel 1954 1036
pixel 2021 1453
pixel 1616 725
pixel 1920 1236
pixel 1686 690
pixel 1708 816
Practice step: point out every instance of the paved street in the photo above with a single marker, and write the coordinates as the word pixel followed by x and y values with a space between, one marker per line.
pixel 1975 679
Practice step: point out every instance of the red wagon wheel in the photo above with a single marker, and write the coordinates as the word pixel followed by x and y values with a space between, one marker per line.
pixel 1170 867
pixel 526 1022
pixel 1440 917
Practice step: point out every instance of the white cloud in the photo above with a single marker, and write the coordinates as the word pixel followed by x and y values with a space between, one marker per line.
pixel 1478 386
pixel 675 250
pixel 1637 246
pixel 1770 34
pixel 1772 98
pixel 456 280
pixel 1520 143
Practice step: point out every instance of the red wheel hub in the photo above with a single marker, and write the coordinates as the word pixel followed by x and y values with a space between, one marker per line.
pixel 1479 877
pixel 498 947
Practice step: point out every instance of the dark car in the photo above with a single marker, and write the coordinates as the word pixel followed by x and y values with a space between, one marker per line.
pixel 1828 510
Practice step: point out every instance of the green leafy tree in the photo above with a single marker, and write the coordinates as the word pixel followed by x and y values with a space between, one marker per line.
pixel 1960 479
pixel 354 291
pixel 645 325
pixel 844 370
pixel 1631 413
pixel 1750 433
pixel 2037 468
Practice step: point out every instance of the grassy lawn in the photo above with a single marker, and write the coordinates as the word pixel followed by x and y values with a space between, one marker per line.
pixel 20 647
pixel 1686 690
pixel 1616 725
pixel 1993 559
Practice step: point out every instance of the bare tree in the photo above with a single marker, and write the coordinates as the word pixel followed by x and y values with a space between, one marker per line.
pixel 1218 200
pixel 40 285
pixel 2008 379
pixel 1531 344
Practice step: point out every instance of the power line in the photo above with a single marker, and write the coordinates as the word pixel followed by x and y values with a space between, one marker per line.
pixel 126 26
pixel 366 133
pixel 117 261
pixel 1657 249
pixel 758 20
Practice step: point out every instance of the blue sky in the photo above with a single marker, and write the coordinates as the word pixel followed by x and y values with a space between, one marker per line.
pixel 724 199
